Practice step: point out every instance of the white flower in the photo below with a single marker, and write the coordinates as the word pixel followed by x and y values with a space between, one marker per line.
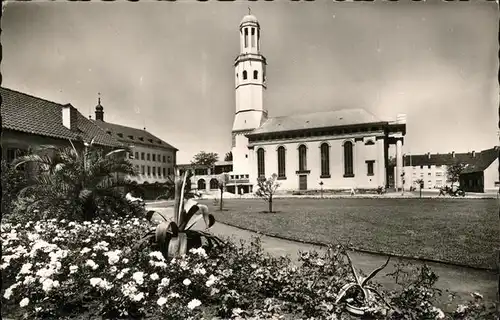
pixel 194 303
pixel 110 234
pixel 28 280
pixel 199 251
pixel 95 281
pixel 26 268
pixel 165 282
pixel 138 277
pixel 461 308
pixel 113 269
pixel 48 284
pixel 211 280
pixel 440 313
pixel 157 254
pixel 253 265
pixel 138 297
pixel 92 264
pixel 113 256
pixel 199 270
pixel 73 269
pixel 45 272
pixel 186 282
pixel 161 301
pixel 154 276
pixel 477 295
pixel 85 250
pixel 174 295
pixel 125 261
pixel 8 291
pixel 24 302
pixel 320 262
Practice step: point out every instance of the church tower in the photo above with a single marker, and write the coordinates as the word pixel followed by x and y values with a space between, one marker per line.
pixel 250 84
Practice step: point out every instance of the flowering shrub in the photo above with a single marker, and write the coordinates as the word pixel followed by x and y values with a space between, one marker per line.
pixel 61 269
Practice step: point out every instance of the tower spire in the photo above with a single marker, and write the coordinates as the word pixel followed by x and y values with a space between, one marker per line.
pixel 99 110
pixel 249 11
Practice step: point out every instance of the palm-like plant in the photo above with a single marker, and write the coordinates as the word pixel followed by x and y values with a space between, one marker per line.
pixel 367 291
pixel 79 183
pixel 174 236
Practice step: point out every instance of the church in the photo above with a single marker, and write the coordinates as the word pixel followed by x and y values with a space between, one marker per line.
pixel 332 150
pixel 338 149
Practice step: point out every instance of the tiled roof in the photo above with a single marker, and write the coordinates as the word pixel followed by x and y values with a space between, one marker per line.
pixel 138 136
pixel 33 115
pixel 437 159
pixel 483 160
pixel 325 119
pixel 474 163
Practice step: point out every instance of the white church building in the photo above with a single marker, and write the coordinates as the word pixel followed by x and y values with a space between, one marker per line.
pixel 341 148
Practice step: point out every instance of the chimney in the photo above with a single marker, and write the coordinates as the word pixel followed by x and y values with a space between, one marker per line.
pixel 453 154
pixel 70 117
pixel 428 155
pixel 473 153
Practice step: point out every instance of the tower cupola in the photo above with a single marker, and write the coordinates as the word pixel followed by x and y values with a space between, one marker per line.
pixel 99 110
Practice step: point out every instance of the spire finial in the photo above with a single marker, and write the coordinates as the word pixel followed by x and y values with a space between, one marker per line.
pixel 249 11
pixel 99 98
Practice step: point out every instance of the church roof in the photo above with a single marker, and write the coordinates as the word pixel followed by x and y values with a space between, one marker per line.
pixel 25 113
pixel 131 135
pixel 316 120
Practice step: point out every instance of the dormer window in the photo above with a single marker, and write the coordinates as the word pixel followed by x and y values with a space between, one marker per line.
pixel 159 141
pixel 108 131
pixel 141 138
pixel 131 137
pixel 150 140
pixel 120 135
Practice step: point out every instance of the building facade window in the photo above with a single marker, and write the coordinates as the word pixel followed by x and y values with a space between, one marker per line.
pixel 260 163
pixel 137 155
pixel 169 159
pixel 201 184
pixel 164 172
pixel 281 162
pixel 213 184
pixel 325 160
pixel 253 38
pixel 302 158
pixel 154 171
pixel 149 170
pixel 369 167
pixel 164 159
pixel 246 37
pixel 148 157
pixel 142 155
pixel 169 171
pixel 256 74
pixel 348 160
pixel 154 157
pixel 159 171
pixel 245 75
pixel 143 170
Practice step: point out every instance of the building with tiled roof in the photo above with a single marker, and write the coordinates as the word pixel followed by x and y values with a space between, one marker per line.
pixel 432 168
pixel 154 158
pixel 482 174
pixel 343 148
pixel 29 121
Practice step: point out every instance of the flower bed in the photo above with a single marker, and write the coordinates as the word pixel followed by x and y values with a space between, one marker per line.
pixel 62 269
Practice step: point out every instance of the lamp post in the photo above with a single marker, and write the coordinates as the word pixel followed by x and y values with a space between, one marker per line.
pixel 321 186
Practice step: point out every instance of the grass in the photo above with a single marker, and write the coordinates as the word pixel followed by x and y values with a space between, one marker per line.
pixel 459 231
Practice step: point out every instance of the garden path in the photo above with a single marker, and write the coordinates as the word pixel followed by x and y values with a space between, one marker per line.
pixel 461 280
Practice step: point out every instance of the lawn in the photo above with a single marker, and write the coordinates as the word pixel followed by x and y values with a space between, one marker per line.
pixel 461 231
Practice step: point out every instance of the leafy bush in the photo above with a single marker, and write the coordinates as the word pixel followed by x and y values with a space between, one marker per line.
pixel 60 270
pixel 13 181
pixel 78 185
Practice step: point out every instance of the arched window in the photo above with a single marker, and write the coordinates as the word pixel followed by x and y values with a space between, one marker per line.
pixel 302 158
pixel 281 162
pixel 348 160
pixel 260 163
pixel 246 37
pixel 201 184
pixel 244 75
pixel 256 74
pixel 213 184
pixel 325 160
pixel 369 143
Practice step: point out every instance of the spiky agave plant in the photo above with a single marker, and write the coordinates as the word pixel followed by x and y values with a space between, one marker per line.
pixel 368 292
pixel 174 237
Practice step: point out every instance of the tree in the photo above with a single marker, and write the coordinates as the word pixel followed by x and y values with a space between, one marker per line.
pixel 205 158
pixel 266 188
pixel 229 156
pixel 222 181
pixel 78 185
pixel 420 183
pixel 453 172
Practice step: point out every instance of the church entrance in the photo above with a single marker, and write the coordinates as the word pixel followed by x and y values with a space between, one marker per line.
pixel 303 182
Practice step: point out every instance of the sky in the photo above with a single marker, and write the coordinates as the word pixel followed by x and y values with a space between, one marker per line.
pixel 168 66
